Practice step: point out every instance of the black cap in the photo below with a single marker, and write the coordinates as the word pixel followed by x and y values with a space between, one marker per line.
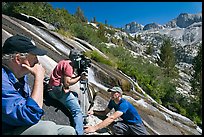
pixel 21 44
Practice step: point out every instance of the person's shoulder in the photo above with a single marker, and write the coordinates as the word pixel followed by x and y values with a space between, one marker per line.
pixel 124 101
pixel 111 102
pixel 64 61
pixel 4 72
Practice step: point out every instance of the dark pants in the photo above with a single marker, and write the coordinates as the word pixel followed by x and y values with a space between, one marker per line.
pixel 122 128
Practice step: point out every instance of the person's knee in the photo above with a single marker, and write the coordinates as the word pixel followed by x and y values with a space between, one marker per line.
pixel 67 130
pixel 54 129
pixel 74 107
pixel 49 128
pixel 41 128
pixel 71 130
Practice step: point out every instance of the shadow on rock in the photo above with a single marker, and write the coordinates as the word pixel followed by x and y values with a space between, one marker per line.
pixel 56 111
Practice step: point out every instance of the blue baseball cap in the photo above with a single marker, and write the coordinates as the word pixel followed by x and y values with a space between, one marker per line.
pixel 21 44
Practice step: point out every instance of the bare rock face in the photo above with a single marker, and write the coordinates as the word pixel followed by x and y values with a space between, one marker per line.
pixel 35 21
pixel 152 26
pixel 56 112
pixel 184 20
pixel 133 27
pixel 110 79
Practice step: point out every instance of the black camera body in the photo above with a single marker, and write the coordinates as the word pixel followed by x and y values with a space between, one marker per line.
pixel 79 61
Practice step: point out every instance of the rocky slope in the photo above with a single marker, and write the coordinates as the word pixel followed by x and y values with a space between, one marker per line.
pixel 186 33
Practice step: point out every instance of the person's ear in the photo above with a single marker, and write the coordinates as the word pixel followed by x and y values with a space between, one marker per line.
pixel 17 59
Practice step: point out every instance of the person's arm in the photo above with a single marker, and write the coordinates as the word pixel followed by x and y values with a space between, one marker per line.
pixel 38 72
pixel 104 123
pixel 19 111
pixel 68 81
pixel 16 109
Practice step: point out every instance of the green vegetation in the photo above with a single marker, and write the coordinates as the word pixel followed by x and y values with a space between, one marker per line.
pixel 98 58
pixel 64 33
pixel 196 90
pixel 80 15
pixel 138 38
pixel 149 76
pixel 149 50
pixel 168 59
pixel 157 81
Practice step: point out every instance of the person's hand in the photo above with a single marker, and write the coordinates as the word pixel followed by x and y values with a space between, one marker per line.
pixel 84 75
pixel 89 129
pixel 90 112
pixel 37 70
pixel 65 89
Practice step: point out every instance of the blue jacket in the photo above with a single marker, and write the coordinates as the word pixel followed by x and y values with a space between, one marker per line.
pixel 18 108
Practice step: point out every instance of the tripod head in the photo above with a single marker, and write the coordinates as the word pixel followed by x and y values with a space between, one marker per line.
pixel 79 61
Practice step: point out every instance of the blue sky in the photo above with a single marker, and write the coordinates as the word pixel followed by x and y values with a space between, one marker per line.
pixel 118 14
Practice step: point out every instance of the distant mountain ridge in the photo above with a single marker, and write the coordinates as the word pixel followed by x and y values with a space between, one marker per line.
pixel 133 27
pixel 184 20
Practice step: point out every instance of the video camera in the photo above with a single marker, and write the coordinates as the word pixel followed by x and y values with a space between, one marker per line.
pixel 80 62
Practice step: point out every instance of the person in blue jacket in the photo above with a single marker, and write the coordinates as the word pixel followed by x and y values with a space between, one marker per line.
pixel 21 106
pixel 131 123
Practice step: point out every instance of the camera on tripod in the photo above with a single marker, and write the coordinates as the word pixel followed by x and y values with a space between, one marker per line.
pixel 80 62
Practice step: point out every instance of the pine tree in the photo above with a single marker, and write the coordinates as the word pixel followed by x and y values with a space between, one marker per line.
pixel 137 38
pixel 149 49
pixel 101 32
pixel 196 83
pixel 106 22
pixel 197 75
pixel 94 20
pixel 168 58
pixel 80 15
